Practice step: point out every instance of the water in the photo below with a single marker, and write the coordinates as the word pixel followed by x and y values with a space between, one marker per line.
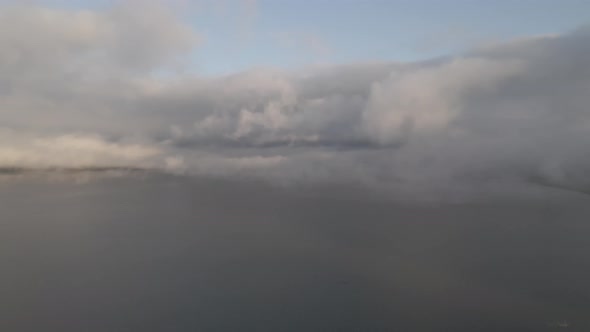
pixel 163 253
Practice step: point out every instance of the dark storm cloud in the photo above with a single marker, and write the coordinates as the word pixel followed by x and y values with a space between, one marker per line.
pixel 94 88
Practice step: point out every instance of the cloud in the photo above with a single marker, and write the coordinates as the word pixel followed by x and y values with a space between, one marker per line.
pixel 83 87
pixel 71 151
pixel 124 38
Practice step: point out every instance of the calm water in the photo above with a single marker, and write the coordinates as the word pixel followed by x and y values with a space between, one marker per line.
pixel 173 254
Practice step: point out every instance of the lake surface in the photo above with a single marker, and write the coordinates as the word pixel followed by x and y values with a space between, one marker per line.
pixel 166 253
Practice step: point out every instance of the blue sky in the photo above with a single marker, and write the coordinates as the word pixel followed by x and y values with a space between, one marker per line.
pixel 241 34
pixel 296 32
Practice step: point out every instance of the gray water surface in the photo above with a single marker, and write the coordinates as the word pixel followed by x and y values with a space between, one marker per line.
pixel 163 253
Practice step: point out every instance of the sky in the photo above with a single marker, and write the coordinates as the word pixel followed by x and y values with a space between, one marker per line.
pixel 295 33
pixel 241 34
pixel 418 99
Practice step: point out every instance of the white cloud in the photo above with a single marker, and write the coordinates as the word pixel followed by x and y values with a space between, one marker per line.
pixel 77 88
pixel 22 151
pixel 428 99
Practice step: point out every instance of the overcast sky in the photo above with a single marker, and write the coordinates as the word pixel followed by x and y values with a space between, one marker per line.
pixel 412 97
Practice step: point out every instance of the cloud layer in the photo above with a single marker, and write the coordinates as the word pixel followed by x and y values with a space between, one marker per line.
pixel 90 88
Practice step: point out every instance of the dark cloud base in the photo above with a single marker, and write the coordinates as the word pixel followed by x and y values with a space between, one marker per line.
pixel 167 253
